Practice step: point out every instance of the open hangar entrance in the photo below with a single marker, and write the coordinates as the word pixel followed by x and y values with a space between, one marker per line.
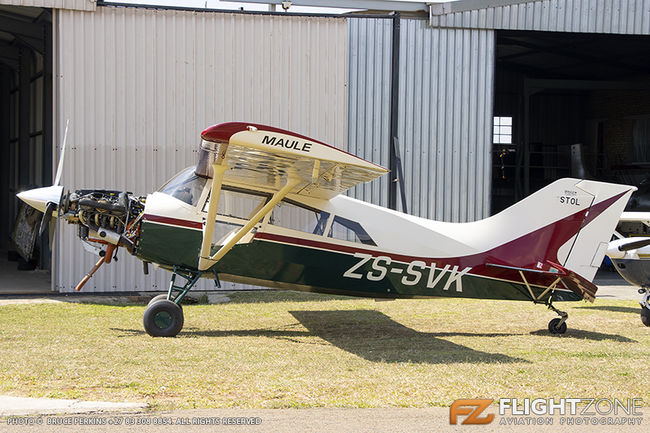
pixel 569 104
pixel 25 114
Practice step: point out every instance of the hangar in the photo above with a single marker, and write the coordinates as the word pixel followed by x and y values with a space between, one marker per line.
pixel 479 102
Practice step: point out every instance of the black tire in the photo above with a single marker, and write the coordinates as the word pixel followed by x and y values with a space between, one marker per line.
pixel 554 328
pixel 158 298
pixel 163 318
pixel 645 316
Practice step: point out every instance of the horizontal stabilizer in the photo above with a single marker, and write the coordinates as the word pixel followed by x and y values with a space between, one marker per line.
pixel 571 280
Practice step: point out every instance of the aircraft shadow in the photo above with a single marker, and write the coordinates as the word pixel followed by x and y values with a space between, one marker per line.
pixel 368 334
pixel 613 308
pixel 580 334
pixel 374 336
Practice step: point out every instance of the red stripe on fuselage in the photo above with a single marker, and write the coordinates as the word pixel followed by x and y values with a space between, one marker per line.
pixel 172 221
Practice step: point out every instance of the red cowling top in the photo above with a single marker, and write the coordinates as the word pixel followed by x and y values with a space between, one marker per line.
pixel 223 131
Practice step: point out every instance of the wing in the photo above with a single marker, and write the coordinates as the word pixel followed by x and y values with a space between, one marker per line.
pixel 261 156
pixel 267 158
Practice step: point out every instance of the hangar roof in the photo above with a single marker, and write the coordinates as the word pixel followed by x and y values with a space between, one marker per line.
pixel 581 16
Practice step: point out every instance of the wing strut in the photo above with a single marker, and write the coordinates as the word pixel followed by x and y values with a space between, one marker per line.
pixel 208 229
pixel 205 260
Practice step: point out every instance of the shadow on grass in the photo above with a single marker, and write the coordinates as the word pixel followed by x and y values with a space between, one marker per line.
pixel 374 336
pixel 369 334
pixel 613 308
pixel 585 335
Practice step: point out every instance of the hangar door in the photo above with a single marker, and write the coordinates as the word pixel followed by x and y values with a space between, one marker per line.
pixel 569 104
pixel 139 86
pixel 25 119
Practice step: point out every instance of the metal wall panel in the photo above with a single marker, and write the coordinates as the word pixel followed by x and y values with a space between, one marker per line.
pixel 445 120
pixel 87 5
pixel 369 85
pixel 139 85
pixel 630 17
pixel 445 114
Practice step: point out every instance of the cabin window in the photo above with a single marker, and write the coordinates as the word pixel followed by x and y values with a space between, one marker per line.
pixel 186 186
pixel 235 208
pixel 238 204
pixel 294 217
pixel 349 230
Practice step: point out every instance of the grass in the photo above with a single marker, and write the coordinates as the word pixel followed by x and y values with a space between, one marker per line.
pixel 282 349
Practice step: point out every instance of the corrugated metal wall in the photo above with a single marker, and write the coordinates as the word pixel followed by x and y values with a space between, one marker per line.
pixel 370 48
pixel 140 85
pixel 445 114
pixel 87 5
pixel 630 17
pixel 445 120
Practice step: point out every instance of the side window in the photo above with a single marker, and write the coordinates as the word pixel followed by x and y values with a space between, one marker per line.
pixel 237 204
pixel 293 217
pixel 349 230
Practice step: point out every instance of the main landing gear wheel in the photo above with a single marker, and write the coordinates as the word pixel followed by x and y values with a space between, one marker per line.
pixel 160 297
pixel 557 326
pixel 163 318
pixel 645 316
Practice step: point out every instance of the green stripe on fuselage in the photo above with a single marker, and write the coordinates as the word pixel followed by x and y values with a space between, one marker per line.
pixel 318 270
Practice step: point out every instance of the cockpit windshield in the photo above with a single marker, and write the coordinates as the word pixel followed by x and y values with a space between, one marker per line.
pixel 186 186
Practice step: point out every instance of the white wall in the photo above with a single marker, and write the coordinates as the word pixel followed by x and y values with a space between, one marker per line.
pixel 139 86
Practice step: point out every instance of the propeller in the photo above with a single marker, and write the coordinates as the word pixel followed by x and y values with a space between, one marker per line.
pixel 634 245
pixel 47 199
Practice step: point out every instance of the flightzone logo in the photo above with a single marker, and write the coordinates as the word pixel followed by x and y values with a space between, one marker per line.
pixel 542 411
pixel 472 410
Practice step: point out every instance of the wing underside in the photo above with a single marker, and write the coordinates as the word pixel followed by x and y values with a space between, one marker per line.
pixel 263 157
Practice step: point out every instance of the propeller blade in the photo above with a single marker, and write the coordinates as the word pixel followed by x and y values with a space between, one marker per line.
pixel 59 168
pixel 634 245
pixel 47 217
pixel 53 223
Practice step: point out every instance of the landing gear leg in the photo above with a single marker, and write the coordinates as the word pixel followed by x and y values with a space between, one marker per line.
pixel 164 317
pixel 645 306
pixel 557 325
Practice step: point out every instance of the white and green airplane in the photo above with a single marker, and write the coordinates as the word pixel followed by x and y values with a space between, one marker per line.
pixel 265 206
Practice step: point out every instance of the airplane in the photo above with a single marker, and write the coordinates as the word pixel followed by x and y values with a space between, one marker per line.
pixel 631 259
pixel 265 206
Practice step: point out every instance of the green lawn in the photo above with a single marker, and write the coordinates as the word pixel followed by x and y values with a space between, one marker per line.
pixel 282 349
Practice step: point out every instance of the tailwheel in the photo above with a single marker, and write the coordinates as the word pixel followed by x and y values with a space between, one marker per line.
pixel 645 316
pixel 645 306
pixel 557 326
pixel 163 318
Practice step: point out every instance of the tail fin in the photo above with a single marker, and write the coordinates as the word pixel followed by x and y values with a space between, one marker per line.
pixel 569 222
pixel 585 252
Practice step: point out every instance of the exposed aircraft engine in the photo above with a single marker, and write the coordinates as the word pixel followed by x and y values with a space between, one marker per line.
pixel 111 217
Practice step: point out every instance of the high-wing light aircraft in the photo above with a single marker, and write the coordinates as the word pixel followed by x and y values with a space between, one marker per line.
pixel 631 258
pixel 264 206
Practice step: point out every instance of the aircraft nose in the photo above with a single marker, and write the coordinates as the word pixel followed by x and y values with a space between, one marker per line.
pixel 38 198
